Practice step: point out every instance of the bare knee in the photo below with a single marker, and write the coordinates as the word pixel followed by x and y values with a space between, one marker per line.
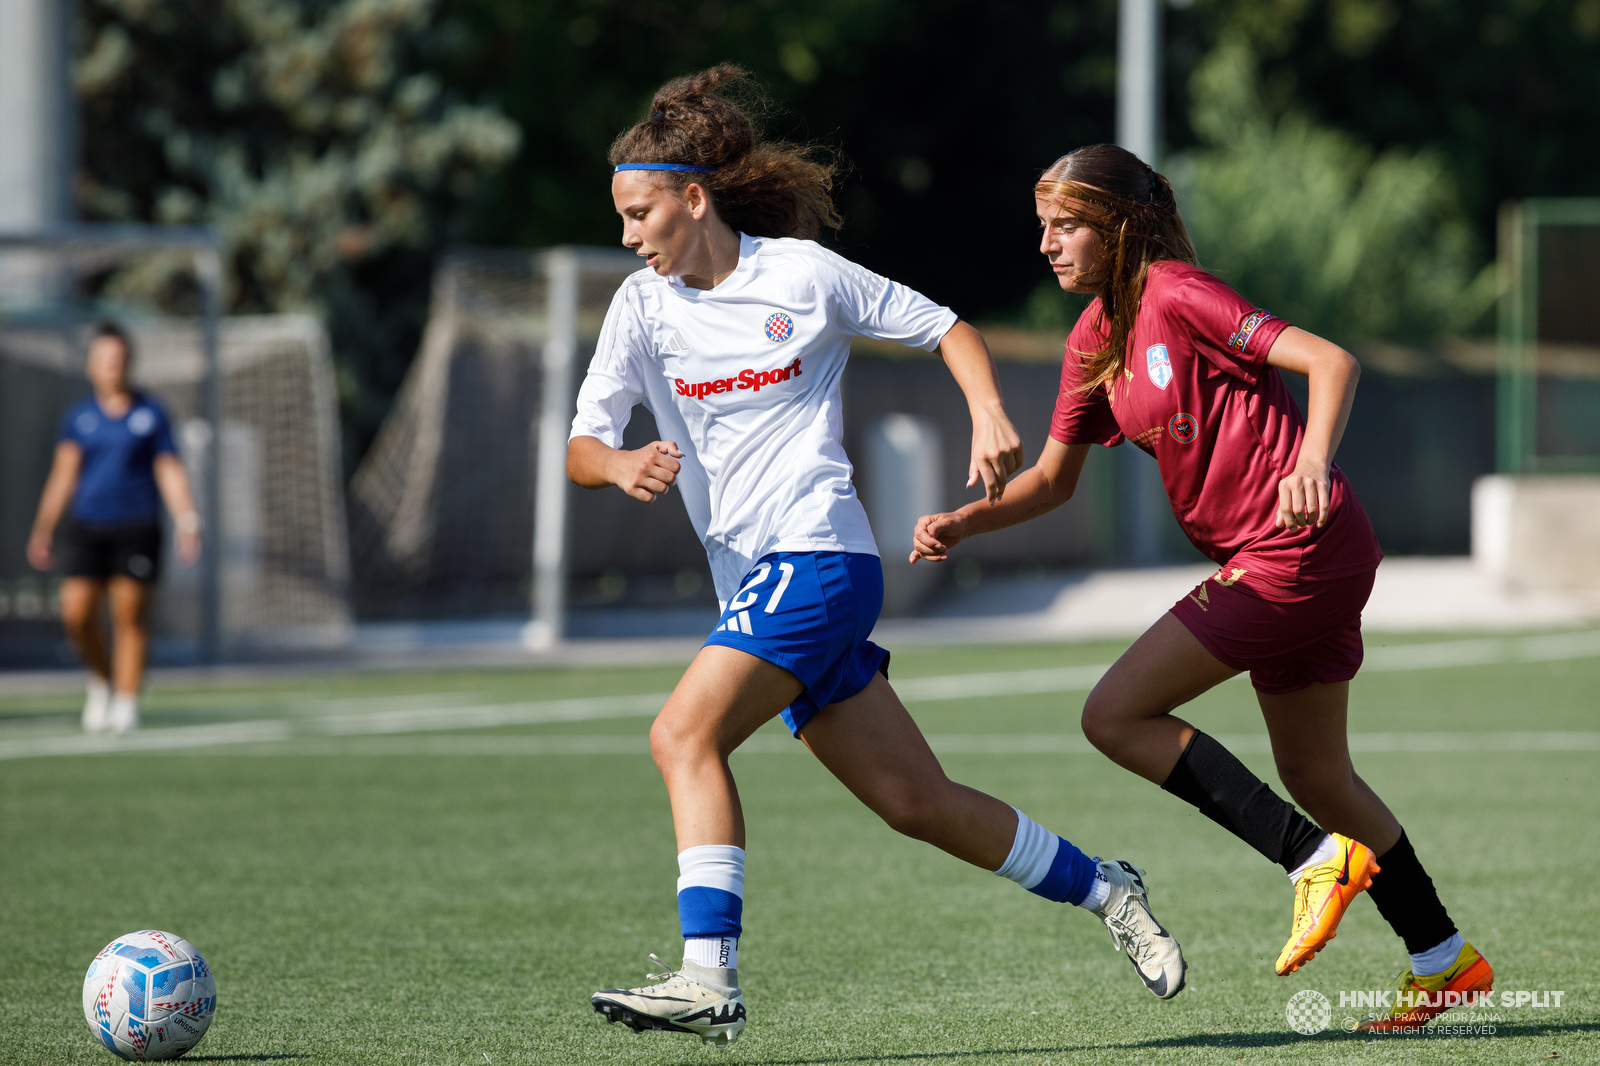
pixel 1317 785
pixel 911 808
pixel 1104 722
pixel 79 620
pixel 676 740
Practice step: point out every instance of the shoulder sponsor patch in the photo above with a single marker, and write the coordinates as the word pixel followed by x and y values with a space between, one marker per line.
pixel 1183 427
pixel 1159 365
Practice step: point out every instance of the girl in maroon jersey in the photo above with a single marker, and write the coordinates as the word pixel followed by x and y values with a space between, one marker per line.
pixel 1171 358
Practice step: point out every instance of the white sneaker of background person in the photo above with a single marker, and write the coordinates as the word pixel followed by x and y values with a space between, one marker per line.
pixel 122 716
pixel 97 705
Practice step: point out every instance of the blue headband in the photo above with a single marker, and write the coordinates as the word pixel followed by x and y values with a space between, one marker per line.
pixel 665 166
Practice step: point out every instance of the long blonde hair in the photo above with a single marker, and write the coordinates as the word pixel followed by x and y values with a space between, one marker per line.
pixel 1135 214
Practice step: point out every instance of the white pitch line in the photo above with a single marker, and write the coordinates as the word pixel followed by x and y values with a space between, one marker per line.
pixel 942 744
pixel 408 718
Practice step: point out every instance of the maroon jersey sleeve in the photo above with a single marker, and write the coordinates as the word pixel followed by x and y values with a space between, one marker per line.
pixel 1083 416
pixel 1229 332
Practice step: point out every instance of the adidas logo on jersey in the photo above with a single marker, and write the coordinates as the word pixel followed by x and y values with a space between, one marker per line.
pixel 746 379
pixel 675 344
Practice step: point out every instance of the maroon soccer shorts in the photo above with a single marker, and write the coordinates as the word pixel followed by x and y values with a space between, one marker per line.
pixel 1287 637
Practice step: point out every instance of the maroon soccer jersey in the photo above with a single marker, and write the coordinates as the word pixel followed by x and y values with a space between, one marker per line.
pixel 1197 394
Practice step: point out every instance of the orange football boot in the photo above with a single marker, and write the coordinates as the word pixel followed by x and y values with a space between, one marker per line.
pixel 1419 999
pixel 1320 899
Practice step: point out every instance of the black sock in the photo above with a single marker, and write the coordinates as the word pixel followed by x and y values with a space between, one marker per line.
pixel 1209 777
pixel 1407 899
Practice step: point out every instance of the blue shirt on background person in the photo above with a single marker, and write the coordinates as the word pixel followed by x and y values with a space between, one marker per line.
pixel 117 484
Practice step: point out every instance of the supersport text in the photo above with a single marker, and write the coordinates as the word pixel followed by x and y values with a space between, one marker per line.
pixel 746 379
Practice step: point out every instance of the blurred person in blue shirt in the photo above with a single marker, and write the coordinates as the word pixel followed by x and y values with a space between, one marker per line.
pixel 115 464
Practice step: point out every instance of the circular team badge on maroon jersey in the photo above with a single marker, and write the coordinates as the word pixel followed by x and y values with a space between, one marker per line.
pixel 780 327
pixel 1183 427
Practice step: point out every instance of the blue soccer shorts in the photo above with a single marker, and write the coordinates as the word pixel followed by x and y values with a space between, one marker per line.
pixel 810 613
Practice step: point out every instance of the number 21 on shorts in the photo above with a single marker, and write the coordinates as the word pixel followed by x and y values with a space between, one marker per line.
pixel 739 608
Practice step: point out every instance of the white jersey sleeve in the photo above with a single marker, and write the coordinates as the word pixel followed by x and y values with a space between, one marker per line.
pixel 870 305
pixel 615 381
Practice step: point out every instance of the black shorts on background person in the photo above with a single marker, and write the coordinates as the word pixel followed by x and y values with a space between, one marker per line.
pixel 127 549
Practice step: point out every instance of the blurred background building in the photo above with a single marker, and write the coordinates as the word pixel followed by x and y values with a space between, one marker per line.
pixel 380 177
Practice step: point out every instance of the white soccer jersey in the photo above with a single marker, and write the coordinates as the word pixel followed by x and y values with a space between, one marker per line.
pixel 744 378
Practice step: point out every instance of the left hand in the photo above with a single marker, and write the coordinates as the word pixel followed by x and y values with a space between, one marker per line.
pixel 187 547
pixel 996 453
pixel 1303 496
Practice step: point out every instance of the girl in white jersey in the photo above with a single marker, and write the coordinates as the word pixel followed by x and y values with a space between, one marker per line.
pixel 735 338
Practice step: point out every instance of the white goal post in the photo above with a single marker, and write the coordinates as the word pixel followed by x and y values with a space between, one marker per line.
pixel 461 506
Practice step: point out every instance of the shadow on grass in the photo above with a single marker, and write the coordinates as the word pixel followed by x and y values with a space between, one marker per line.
pixel 1217 1040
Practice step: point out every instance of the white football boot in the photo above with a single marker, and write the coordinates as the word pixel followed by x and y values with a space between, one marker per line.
pixel 1153 951
pixel 702 1000
pixel 96 705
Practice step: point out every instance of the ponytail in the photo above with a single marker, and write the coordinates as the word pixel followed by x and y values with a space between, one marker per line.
pixel 760 188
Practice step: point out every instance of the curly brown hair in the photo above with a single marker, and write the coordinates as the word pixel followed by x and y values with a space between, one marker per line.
pixel 1135 213
pixel 765 189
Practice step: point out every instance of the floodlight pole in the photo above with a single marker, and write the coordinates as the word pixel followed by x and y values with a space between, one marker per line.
pixel 1141 496
pixel 550 465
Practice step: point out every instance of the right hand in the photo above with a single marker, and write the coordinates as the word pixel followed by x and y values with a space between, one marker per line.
pixel 935 535
pixel 648 472
pixel 41 554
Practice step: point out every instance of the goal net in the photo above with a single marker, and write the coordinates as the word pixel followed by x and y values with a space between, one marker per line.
pixel 262 451
pixel 461 507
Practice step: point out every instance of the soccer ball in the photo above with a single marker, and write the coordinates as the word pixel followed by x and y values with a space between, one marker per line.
pixel 149 995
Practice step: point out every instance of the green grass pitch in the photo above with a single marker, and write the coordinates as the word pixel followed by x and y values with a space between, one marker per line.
pixel 438 899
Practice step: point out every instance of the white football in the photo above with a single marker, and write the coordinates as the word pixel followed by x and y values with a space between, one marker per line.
pixel 149 995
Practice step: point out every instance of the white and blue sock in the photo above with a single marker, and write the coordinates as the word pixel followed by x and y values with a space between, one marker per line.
pixel 711 903
pixel 1049 866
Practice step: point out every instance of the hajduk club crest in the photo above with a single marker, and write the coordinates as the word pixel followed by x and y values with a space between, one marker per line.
pixel 1159 364
pixel 779 328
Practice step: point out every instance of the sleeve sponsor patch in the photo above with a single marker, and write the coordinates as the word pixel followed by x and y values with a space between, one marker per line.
pixel 1241 336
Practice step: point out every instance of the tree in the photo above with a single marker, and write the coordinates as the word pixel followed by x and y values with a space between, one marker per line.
pixel 1347 242
pixel 311 133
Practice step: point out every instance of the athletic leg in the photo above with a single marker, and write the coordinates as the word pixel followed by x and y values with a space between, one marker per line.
pixel 873 746
pixel 130 637
pixel 1310 743
pixel 130 600
pixel 1128 717
pixel 1311 747
pixel 723 697
pixel 81 598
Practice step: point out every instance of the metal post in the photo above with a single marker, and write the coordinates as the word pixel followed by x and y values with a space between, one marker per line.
pixel 550 484
pixel 1139 78
pixel 1142 499
pixel 208 269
